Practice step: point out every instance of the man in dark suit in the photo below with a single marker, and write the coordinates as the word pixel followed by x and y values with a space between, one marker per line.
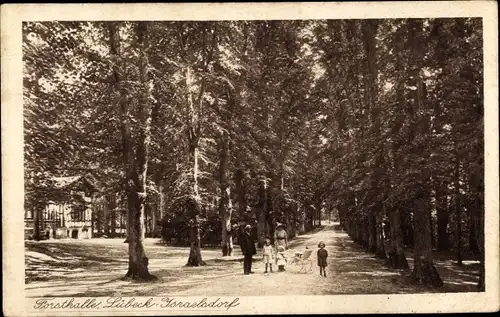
pixel 248 247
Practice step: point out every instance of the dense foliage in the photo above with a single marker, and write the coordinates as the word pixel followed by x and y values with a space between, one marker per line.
pixel 266 122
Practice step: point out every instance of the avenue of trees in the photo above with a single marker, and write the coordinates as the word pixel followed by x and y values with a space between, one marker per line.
pixel 266 122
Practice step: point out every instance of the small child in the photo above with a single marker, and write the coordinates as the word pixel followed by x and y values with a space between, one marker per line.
pixel 281 259
pixel 267 255
pixel 322 255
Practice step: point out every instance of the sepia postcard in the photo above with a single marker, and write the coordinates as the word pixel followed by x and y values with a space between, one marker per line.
pixel 250 158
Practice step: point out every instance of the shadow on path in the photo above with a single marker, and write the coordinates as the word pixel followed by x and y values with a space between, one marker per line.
pixel 350 270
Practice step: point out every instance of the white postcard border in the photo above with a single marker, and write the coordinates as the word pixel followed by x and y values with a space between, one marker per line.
pixel 14 301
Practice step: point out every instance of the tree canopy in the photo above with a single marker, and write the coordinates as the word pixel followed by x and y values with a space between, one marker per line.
pixel 268 121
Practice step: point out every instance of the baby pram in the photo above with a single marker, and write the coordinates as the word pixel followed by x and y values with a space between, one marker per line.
pixel 303 259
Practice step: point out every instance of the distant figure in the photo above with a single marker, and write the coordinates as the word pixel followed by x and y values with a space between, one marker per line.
pixel 281 259
pixel 247 244
pixel 322 255
pixel 280 236
pixel 267 255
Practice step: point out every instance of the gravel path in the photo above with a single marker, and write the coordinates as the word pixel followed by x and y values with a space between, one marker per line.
pixel 349 271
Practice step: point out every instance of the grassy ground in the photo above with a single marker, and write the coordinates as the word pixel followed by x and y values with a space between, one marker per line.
pixel 95 267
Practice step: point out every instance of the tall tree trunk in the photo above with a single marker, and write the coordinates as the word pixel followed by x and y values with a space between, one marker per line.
pixel 424 271
pixel 302 220
pixel 318 203
pixel 310 216
pixel 366 232
pixel 440 186
pixel 195 258
pixel 37 223
pixel 99 211
pixel 369 29
pixel 443 218
pixel 135 165
pixel 193 136
pixel 362 229
pixel 372 232
pixel 138 268
pixel 274 205
pixel 154 219
pixel 397 257
pixel 473 227
pixel 293 220
pixel 93 216
pixel 351 229
pixel 138 262
pixel 433 235
pixel 161 200
pixel 122 221
pixel 480 236
pixel 160 207
pixel 195 106
pixel 458 209
pixel 407 228
pixel 225 208
pixel 240 193
pixel 477 187
pixel 147 218
pixel 379 219
pixel 261 211
pixel 342 217
pixel 112 209
pixel 351 212
pixel 288 221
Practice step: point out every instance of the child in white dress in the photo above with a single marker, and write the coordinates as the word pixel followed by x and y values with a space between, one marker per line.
pixel 267 255
pixel 281 259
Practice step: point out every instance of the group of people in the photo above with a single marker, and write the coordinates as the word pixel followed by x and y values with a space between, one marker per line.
pixel 268 255
pixel 274 254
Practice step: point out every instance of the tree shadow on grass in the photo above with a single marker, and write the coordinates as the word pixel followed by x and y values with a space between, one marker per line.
pixel 234 259
pixel 53 260
pixel 456 279
pixel 169 281
pixel 64 251
pixel 298 241
pixel 354 262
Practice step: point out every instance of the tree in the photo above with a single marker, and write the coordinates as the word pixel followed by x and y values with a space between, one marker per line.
pixel 424 270
pixel 134 105
pixel 195 45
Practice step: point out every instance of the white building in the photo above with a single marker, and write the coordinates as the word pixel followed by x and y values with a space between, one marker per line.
pixel 68 216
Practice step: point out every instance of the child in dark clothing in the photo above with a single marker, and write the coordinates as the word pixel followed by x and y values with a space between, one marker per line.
pixel 322 255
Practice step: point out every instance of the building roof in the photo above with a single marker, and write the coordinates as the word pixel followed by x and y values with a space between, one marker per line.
pixel 64 182
pixel 61 182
